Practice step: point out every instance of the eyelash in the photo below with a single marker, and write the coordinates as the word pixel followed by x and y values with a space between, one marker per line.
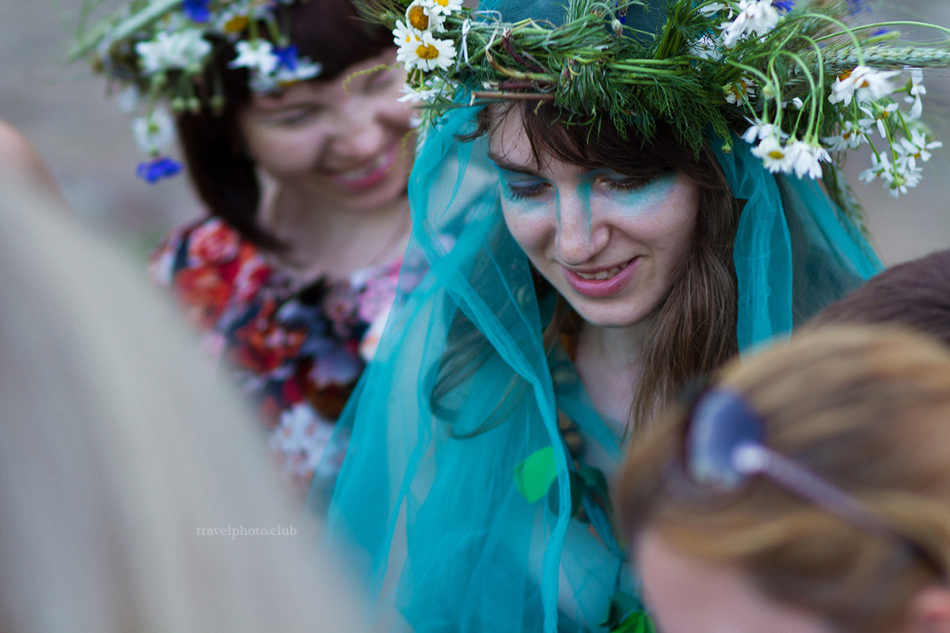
pixel 522 192
pixel 379 82
pixel 297 118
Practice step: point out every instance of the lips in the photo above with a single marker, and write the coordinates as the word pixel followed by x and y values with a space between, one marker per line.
pixel 369 175
pixel 601 283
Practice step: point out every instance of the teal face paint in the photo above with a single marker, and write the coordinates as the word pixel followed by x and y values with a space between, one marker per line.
pixel 521 190
pixel 634 201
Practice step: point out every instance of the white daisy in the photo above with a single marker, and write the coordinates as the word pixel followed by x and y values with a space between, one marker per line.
pixel 775 156
pixel 914 149
pixel 851 137
pixel 739 92
pixel 183 49
pixel 807 159
pixel 154 133
pixel 422 17
pixel 443 7
pixel 426 52
pixel 706 48
pixel 864 84
pixel 257 56
pixel 915 91
pixel 756 17
pixel 759 130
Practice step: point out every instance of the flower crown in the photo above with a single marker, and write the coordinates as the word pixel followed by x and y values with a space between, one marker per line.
pixel 802 81
pixel 158 52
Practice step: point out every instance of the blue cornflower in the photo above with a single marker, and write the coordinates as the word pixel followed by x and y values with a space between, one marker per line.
pixel 286 56
pixel 197 10
pixel 154 170
pixel 859 6
pixel 783 5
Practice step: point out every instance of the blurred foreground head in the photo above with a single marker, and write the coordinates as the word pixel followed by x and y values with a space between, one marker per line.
pixel 866 410
pixel 120 455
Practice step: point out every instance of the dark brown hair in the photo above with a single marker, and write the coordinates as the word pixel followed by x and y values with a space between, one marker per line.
pixel 326 31
pixel 694 330
pixel 915 294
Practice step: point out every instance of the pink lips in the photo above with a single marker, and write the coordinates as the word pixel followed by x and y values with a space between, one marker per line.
pixel 598 288
pixel 367 178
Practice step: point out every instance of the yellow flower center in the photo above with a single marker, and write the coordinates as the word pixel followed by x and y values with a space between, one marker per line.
pixel 442 3
pixel 776 154
pixel 237 24
pixel 417 18
pixel 427 52
pixel 844 75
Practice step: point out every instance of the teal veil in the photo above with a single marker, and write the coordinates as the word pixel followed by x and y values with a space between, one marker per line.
pixel 459 499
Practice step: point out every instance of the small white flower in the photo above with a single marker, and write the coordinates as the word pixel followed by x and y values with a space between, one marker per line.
pixel 880 168
pixel 129 99
pixel 426 52
pixel 421 17
pixel 759 131
pixel 915 91
pixel 808 158
pixel 864 84
pixel 851 137
pixel 914 149
pixel 155 133
pixel 183 49
pixel 257 56
pixel 443 7
pixel 775 156
pixel 739 92
pixel 756 17
pixel 715 7
pixel 706 48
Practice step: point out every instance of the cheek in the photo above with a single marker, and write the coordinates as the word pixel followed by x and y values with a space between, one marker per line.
pixel 530 230
pixel 280 151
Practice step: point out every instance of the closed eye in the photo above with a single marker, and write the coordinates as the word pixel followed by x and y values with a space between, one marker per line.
pixel 523 191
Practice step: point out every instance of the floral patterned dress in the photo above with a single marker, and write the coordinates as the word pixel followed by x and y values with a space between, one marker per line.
pixel 296 350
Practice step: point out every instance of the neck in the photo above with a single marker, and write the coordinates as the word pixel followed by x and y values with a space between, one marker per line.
pixel 331 240
pixel 608 362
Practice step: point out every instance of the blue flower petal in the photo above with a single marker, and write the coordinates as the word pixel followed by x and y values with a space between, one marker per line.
pixel 156 169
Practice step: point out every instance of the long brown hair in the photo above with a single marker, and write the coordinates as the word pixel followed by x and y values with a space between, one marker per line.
pixel 865 407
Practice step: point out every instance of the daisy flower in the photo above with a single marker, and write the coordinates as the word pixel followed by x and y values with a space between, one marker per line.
pixel 257 56
pixel 421 17
pixel 756 17
pixel 864 84
pixel 443 7
pixel 807 159
pixel 775 156
pixel 426 52
pixel 739 92
pixel 915 91
pixel 154 133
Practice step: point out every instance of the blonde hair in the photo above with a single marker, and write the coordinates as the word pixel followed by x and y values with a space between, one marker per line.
pixel 119 447
pixel 868 409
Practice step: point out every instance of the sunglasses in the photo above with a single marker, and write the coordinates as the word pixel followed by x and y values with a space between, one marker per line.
pixel 724 447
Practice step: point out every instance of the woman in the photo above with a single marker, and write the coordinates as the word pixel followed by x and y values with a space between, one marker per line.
pixel 587 257
pixel 298 146
pixel 833 514
pixel 123 465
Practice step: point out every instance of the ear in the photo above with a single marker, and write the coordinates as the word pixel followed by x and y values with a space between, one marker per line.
pixel 929 612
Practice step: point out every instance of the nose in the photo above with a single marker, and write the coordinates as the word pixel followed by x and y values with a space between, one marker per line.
pixel 580 233
pixel 358 133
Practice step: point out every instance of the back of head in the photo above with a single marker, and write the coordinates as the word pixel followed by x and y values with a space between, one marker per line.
pixel 123 459
pixel 915 294
pixel 866 408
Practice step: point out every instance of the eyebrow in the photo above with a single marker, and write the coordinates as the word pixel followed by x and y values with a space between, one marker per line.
pixel 506 165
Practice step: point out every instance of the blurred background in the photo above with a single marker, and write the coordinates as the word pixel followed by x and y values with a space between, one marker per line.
pixel 85 139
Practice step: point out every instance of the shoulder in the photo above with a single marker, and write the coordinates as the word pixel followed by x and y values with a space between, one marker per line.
pixel 208 264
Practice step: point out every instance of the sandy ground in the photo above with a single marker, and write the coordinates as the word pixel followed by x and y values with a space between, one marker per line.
pixel 85 139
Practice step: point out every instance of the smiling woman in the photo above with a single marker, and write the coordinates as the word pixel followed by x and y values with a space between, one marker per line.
pixel 601 229
pixel 293 135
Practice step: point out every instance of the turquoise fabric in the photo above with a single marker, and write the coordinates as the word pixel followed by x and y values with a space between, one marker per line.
pixel 795 251
pixel 461 393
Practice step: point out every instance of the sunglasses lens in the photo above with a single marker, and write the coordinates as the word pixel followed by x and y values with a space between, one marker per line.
pixel 720 423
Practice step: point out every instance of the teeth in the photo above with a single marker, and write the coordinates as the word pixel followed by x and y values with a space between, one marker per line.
pixel 357 174
pixel 602 275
